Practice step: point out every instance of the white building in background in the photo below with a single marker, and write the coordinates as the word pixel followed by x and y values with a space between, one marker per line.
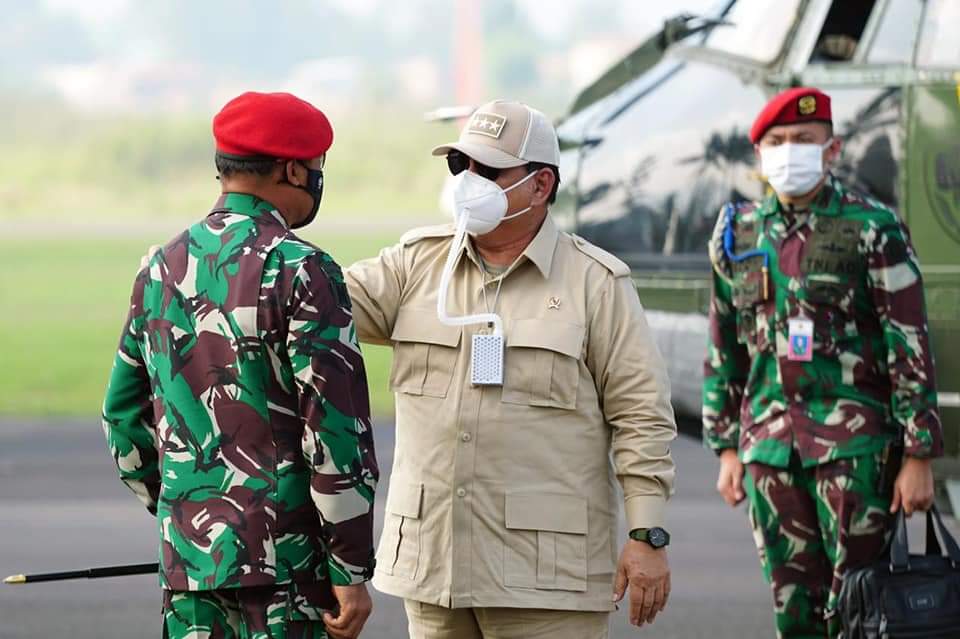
pixel 128 86
pixel 326 80
pixel 418 79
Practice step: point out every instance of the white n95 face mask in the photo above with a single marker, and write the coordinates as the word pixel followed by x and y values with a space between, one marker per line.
pixel 793 169
pixel 482 201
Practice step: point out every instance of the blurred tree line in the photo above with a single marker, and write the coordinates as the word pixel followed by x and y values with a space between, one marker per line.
pixel 254 41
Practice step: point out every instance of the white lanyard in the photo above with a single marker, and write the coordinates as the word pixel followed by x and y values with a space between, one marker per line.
pixel 496 296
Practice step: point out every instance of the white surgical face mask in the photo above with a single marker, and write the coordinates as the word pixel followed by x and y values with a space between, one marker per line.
pixel 482 201
pixel 793 169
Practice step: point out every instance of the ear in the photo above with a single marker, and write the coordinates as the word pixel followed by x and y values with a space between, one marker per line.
pixel 833 151
pixel 295 173
pixel 543 186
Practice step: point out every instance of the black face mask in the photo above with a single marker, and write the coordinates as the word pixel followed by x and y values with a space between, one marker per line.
pixel 315 188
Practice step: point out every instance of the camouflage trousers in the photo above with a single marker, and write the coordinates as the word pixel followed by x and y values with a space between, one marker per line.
pixel 294 611
pixel 810 526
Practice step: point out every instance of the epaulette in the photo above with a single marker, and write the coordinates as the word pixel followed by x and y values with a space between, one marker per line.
pixel 423 232
pixel 612 263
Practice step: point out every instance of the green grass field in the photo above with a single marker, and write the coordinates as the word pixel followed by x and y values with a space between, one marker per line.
pixel 63 305
pixel 63 299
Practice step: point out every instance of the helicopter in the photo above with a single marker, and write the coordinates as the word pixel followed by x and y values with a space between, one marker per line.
pixel 654 147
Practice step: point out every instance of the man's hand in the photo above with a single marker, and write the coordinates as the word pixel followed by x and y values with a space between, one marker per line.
pixel 645 569
pixel 913 489
pixel 153 250
pixel 355 607
pixel 730 481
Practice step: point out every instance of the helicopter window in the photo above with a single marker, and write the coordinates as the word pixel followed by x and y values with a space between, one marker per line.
pixel 758 29
pixel 894 40
pixel 939 45
pixel 841 31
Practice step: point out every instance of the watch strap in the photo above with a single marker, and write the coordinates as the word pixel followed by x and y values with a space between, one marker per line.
pixel 639 534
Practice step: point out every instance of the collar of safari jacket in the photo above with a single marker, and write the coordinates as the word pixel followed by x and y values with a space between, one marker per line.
pixel 247 204
pixel 827 202
pixel 539 251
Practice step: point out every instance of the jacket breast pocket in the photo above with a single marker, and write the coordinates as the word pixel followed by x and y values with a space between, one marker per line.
pixel 424 353
pixel 542 365
pixel 399 551
pixel 830 301
pixel 545 544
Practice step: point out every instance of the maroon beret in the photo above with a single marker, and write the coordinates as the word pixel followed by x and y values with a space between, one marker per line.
pixel 277 125
pixel 800 104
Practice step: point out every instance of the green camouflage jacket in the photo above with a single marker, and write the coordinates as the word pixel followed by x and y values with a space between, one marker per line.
pixel 848 266
pixel 237 409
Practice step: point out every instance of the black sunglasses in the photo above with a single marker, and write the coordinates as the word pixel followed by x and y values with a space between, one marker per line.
pixel 458 162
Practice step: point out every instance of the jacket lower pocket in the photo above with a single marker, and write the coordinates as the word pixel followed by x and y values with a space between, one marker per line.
pixel 545 543
pixel 399 551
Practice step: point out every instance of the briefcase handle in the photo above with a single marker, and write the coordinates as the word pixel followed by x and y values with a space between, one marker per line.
pixel 900 547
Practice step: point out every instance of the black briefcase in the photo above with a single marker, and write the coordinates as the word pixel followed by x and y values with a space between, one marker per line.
pixel 904 595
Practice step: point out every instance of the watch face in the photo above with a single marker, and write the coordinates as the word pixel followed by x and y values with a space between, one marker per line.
pixel 657 537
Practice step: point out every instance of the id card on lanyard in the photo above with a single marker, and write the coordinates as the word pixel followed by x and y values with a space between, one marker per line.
pixel 800 339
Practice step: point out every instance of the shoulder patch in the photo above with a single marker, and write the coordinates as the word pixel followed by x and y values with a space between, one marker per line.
pixel 612 263
pixel 334 274
pixel 421 233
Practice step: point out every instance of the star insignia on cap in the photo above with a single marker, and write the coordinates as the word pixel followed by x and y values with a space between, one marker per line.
pixel 488 124
pixel 484 124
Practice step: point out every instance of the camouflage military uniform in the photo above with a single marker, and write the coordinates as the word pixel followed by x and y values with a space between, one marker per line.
pixel 812 432
pixel 263 612
pixel 237 411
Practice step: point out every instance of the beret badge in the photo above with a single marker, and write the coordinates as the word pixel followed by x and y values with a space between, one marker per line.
pixel 807 105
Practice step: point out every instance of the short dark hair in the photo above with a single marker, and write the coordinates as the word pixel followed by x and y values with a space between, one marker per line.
pixel 533 167
pixel 227 164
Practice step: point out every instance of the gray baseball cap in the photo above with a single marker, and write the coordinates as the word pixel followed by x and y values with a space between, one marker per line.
pixel 503 134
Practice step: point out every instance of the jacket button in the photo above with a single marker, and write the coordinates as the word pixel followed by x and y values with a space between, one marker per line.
pixel 461 492
pixel 465 437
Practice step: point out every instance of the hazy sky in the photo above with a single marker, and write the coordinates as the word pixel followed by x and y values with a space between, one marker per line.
pixel 93 51
pixel 637 16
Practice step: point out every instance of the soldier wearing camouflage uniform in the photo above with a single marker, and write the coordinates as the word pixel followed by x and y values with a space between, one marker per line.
pixel 818 361
pixel 237 408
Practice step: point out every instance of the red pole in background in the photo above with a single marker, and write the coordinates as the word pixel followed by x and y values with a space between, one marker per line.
pixel 468 68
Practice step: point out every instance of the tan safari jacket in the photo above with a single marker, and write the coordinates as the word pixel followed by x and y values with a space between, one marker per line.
pixel 506 496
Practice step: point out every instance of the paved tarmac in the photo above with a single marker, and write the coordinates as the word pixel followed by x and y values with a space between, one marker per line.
pixel 62 508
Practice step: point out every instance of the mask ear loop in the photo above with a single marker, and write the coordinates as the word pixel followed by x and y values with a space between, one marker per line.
pixel 510 188
pixel 824 166
pixel 455 247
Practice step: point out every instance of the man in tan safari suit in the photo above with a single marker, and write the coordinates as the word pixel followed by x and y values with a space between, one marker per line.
pixel 502 511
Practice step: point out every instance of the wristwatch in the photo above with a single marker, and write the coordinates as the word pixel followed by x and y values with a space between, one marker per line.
pixel 656 537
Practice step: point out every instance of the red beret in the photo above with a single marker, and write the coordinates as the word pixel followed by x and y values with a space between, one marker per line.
pixel 277 125
pixel 800 104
